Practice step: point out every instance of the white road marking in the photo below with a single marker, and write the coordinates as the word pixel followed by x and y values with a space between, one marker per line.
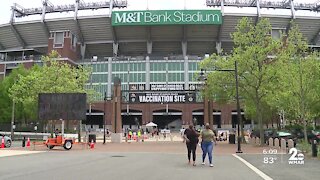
pixel 6 153
pixel 256 170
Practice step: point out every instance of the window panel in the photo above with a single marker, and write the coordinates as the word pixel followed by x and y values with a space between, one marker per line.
pixel 193 77
pixel 142 77
pixel 175 66
pixel 113 67
pixel 143 67
pixel 131 67
pixel 158 66
pixel 58 39
pixel 194 66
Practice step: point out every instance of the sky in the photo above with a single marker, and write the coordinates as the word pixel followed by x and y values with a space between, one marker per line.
pixel 5 8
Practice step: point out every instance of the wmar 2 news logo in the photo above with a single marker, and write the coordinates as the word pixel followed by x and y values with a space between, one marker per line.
pixel 295 158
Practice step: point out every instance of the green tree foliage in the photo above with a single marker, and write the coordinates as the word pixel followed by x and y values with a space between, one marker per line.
pixel 298 94
pixel 6 100
pixel 53 77
pixel 254 51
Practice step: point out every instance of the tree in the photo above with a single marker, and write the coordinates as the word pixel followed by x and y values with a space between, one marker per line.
pixel 300 72
pixel 256 53
pixel 6 100
pixel 53 77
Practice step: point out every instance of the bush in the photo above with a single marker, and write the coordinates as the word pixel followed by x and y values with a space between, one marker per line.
pixel 304 146
pixel 294 126
pixel 297 127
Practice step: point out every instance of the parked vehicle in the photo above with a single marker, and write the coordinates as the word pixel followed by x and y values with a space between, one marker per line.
pixel 311 134
pixel 59 141
pixel 7 140
pixel 283 135
pixel 267 133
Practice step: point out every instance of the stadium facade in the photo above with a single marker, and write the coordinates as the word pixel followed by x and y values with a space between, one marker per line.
pixel 156 53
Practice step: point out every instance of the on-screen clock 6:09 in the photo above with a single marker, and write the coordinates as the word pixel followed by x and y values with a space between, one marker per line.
pixel 270 151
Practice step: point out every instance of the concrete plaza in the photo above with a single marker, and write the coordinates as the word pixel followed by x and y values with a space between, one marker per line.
pixel 149 160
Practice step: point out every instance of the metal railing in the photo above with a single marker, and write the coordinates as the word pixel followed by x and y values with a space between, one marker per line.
pixel 20 11
pixel 266 4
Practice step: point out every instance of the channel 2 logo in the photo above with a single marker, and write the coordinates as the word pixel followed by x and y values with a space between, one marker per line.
pixel 295 158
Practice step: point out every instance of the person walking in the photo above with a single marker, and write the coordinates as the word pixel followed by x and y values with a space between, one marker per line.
pixel 208 137
pixel 191 137
pixel 130 134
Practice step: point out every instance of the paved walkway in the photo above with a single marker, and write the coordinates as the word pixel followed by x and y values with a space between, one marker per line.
pixel 85 165
pixel 9 152
pixel 148 160
pixel 152 146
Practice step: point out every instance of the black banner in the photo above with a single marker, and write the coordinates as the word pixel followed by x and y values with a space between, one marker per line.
pixel 166 87
pixel 162 97
pixel 66 106
pixel 134 87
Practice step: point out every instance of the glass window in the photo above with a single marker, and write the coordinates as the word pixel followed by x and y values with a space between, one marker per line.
pixel 131 67
pixel 94 67
pixel 193 77
pixel 175 66
pixel 158 66
pixel 74 41
pixel 124 77
pixel 158 77
pixel 58 39
pixel 143 67
pixel 175 77
pixel 98 67
pixel 131 77
pixel 116 67
pixel 192 66
pixel 181 77
pixel 123 67
pixel 99 78
pixel 171 77
pixel 113 67
pixel 142 77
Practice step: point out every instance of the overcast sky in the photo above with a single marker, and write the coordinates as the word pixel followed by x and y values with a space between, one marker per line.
pixel 5 7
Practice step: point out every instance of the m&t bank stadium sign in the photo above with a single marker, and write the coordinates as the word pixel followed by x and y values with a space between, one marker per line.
pixel 166 17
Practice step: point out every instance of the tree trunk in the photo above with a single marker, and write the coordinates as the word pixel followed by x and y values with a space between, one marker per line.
pixel 252 124
pixel 259 115
pixel 305 129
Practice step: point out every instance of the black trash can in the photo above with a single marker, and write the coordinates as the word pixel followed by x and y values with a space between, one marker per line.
pixel 232 139
pixel 92 137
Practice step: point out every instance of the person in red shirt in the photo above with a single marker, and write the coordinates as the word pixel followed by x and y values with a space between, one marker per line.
pixel 191 137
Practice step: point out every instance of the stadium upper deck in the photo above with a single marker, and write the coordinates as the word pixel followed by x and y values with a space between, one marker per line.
pixel 99 37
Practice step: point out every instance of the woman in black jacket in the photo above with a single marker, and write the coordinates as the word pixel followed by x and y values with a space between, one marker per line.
pixel 191 137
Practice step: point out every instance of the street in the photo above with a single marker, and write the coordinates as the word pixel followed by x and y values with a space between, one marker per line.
pixel 150 161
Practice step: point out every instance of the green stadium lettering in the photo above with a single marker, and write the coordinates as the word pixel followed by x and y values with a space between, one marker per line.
pixel 154 18
pixel 166 17
pixel 128 17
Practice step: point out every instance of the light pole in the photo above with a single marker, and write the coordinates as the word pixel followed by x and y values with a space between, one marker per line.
pixel 238 105
pixel 239 119
pixel 104 117
pixel 12 120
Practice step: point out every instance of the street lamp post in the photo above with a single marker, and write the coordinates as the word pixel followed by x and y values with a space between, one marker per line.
pixel 239 119
pixel 104 117
pixel 238 105
pixel 12 120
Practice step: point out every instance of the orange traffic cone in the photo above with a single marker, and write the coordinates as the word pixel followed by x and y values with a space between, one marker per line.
pixel 2 142
pixel 92 144
pixel 28 142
